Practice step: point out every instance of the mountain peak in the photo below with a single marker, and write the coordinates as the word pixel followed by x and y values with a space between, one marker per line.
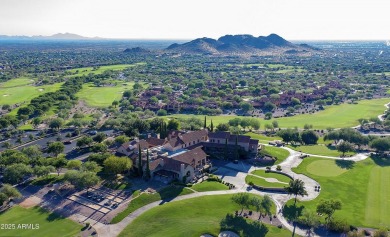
pixel 58 36
pixel 277 40
pixel 67 36
pixel 136 50
pixel 239 44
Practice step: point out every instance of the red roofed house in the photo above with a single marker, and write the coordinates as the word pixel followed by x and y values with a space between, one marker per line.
pixel 248 144
pixel 178 140
pixel 183 166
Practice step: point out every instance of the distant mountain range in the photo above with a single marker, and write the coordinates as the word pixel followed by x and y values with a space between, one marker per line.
pixel 241 45
pixel 136 50
pixel 59 36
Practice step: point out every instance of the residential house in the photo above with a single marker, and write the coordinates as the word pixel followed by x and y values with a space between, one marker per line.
pixel 184 166
pixel 179 140
pixel 245 142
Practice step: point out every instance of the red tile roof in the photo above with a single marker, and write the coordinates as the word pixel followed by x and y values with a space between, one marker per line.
pixel 174 142
pixel 155 164
pixel 219 135
pixel 155 141
pixel 171 164
pixel 191 156
pixel 193 136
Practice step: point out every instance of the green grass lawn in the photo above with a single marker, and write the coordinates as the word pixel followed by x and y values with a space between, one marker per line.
pixel 274 67
pixel 321 141
pixel 262 138
pixel 280 153
pixel 87 70
pixel 145 199
pixel 118 185
pixel 378 74
pixel 27 126
pixel 20 81
pixel 320 150
pixel 209 186
pixel 335 116
pixel 20 90
pixel 194 217
pixel 50 179
pixel 263 183
pixel 49 224
pixel 280 177
pixel 326 168
pixel 362 187
pixel 103 96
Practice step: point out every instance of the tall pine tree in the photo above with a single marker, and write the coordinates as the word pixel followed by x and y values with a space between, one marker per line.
pixel 205 123
pixel 211 126
pixel 147 169
pixel 236 148
pixel 140 171
pixel 226 149
pixel 163 130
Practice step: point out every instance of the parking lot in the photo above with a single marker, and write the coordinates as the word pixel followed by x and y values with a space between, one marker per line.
pixel 101 200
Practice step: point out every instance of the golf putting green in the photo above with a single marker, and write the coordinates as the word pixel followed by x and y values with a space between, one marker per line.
pixel 325 168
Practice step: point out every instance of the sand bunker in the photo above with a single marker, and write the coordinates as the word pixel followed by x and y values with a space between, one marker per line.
pixel 5 95
pixel 40 89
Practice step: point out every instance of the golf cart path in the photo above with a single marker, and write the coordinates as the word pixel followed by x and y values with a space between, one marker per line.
pixel 280 199
pixel 381 116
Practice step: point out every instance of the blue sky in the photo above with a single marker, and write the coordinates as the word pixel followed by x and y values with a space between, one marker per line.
pixel 187 19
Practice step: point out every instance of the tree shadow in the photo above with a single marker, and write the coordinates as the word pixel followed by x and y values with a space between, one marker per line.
pixel 240 225
pixel 381 159
pixel 332 148
pixel 169 193
pixel 290 212
pixel 52 216
pixel 345 164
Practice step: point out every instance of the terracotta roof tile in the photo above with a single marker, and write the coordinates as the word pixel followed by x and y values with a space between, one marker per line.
pixel 155 141
pixel 193 136
pixel 191 156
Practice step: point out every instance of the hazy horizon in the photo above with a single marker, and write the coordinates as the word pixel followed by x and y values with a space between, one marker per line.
pixel 178 20
pixel 187 39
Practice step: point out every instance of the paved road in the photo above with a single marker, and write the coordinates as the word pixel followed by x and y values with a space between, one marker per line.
pixel 233 173
pixel 69 149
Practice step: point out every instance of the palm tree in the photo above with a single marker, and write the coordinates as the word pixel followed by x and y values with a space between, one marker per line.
pixel 115 103
pixel 296 187
pixel 256 203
